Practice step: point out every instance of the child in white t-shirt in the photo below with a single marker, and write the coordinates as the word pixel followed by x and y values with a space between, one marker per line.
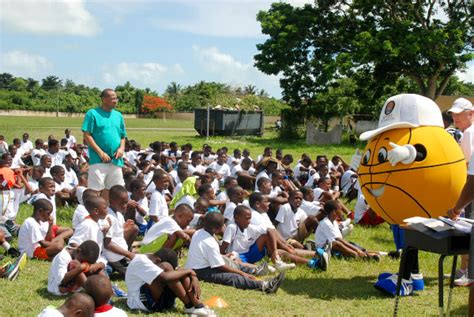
pixel 137 208
pixel 293 223
pixel 158 204
pixel 236 197
pixel 221 167
pixel 309 205
pixel 81 213
pixel 205 259
pixel 328 232
pixel 89 228
pixel 47 188
pixel 79 304
pixel 100 289
pixel 38 236
pixel 119 238
pixel 71 267
pixel 174 228
pixel 149 277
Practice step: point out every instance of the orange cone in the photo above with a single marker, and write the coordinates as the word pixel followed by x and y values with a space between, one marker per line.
pixel 216 302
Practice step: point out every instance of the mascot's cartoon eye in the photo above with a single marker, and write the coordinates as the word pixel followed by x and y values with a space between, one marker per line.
pixel 382 155
pixel 366 158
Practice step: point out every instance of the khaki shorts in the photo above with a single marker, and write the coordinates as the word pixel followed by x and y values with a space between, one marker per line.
pixel 104 176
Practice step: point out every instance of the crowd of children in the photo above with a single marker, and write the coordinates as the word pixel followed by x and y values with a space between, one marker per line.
pixel 238 218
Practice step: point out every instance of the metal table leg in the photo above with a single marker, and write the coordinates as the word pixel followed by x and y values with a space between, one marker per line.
pixel 440 286
pixel 399 280
pixel 451 285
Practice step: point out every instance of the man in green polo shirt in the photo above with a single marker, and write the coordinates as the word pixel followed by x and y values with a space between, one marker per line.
pixel 104 133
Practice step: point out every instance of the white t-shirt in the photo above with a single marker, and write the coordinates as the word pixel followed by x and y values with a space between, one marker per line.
pixel 70 177
pixel 222 196
pixel 177 188
pixel 112 312
pixel 26 146
pixel 70 141
pixel 325 231
pixel 208 159
pixel 289 220
pixel 238 169
pixel 165 226
pixel 223 170
pixel 36 155
pixel 50 312
pixel 116 234
pixel 229 210
pixel 88 229
pixel 52 200
pixel 80 213
pixel 360 207
pixel 470 170
pixel 467 142
pixel 312 179
pixel 57 158
pixel 143 203
pixel 311 208
pixel 158 205
pixel 201 169
pixel 79 191
pixel 261 220
pixel 204 251
pixel 8 205
pixel 240 241
pixel 347 179
pixel 141 270
pixel 30 234
pixel 17 161
pixel 57 271
pixel 187 199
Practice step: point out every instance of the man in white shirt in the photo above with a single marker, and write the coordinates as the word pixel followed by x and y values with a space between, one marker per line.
pixel 461 112
pixel 71 140
pixel 26 144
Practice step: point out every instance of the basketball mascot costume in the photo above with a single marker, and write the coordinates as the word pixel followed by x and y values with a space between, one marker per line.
pixel 410 167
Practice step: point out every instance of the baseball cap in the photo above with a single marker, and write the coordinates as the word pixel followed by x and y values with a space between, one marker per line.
pixel 460 105
pixel 406 111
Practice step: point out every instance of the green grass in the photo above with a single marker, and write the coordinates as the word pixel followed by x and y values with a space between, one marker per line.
pixel 346 289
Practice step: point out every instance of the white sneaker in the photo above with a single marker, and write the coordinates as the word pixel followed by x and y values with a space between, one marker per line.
pixel 282 266
pixel 271 269
pixel 203 311
pixel 463 281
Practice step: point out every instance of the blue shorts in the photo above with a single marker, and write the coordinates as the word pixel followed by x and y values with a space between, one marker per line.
pixel 253 254
pixel 166 301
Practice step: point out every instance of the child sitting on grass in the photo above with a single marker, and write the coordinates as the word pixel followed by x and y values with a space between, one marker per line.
pixel 72 266
pixel 153 283
pixel 78 305
pixel 38 236
pixel 119 238
pixel 158 205
pixel 169 232
pixel 47 188
pixel 81 213
pixel 137 208
pixel 100 289
pixel 328 233
pixel 205 259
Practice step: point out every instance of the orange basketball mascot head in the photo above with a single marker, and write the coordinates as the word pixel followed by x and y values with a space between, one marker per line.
pixel 411 166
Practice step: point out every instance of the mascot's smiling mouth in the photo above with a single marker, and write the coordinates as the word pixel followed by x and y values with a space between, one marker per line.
pixel 377 192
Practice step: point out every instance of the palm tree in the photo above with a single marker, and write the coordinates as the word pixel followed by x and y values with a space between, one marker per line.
pixel 250 90
pixel 173 89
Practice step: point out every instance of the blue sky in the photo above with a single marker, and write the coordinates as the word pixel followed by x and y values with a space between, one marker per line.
pixel 149 43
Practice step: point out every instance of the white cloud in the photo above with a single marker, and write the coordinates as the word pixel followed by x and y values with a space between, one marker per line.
pixel 468 75
pixel 225 68
pixel 225 18
pixel 48 17
pixel 23 64
pixel 140 74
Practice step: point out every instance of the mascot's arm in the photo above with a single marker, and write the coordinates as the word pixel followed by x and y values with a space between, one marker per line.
pixel 405 154
pixel 355 161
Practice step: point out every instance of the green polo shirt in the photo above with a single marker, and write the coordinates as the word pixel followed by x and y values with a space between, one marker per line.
pixel 107 129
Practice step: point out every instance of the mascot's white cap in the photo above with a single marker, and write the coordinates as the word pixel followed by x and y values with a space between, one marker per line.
pixel 406 111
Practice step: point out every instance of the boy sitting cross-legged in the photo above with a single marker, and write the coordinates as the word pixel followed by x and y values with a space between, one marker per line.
pixel 169 232
pixel 38 236
pixel 153 283
pixel 205 259
pixel 72 266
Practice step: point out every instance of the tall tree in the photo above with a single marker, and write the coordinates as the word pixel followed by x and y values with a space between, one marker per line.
pixel 5 80
pixel 173 89
pixel 374 42
pixel 51 83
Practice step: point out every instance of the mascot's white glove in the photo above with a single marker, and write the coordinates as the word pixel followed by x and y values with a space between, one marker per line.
pixel 405 154
pixel 355 161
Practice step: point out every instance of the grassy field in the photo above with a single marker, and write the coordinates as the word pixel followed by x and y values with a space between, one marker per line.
pixel 345 289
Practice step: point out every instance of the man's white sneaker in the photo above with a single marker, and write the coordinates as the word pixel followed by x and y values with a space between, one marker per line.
pixel 282 266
